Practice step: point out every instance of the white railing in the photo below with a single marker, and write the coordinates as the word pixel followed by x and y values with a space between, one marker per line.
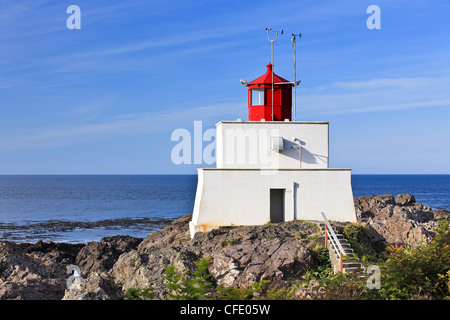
pixel 329 232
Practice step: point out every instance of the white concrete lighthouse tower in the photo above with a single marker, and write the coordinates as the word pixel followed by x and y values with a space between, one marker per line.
pixel 269 168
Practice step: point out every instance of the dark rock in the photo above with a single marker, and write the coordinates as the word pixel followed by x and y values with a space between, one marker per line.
pixel 101 256
pixel 441 214
pixel 34 271
pixel 96 286
pixel 405 199
pixel 176 232
pixel 38 271
pixel 369 206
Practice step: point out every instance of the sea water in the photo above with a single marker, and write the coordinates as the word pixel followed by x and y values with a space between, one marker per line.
pixel 82 208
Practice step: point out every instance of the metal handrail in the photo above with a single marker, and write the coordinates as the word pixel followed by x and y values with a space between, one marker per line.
pixel 335 241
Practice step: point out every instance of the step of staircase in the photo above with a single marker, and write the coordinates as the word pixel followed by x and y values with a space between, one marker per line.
pixel 352 270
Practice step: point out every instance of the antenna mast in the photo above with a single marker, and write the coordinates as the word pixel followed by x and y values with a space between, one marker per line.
pixel 272 41
pixel 295 73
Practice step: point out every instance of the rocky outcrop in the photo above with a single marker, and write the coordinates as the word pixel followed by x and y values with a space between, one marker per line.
pixel 100 256
pixel 441 215
pixel 239 256
pixel 398 220
pixel 405 199
pixel 94 261
pixel 35 271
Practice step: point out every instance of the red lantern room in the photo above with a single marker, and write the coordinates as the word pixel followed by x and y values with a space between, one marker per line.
pixel 260 98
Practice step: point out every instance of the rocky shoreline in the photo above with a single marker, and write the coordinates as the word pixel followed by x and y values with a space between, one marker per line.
pixel 239 255
pixel 52 228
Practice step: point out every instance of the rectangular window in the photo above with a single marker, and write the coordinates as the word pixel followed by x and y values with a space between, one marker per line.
pixel 257 97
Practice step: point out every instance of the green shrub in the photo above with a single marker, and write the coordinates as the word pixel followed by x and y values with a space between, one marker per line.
pixel 324 267
pixel 139 294
pixel 341 286
pixel 419 273
pixel 359 238
pixel 257 290
pixel 231 293
pixel 196 286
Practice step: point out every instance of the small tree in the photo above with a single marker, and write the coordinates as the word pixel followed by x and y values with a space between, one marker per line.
pixel 194 286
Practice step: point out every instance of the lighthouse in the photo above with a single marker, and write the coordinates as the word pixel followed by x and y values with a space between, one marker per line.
pixel 271 169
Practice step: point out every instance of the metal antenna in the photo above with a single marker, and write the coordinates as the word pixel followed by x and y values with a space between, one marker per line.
pixel 295 73
pixel 272 41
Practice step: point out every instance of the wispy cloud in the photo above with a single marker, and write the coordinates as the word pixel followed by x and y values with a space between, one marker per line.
pixel 373 95
pixel 124 124
pixel 175 40
pixel 26 19
pixel 376 95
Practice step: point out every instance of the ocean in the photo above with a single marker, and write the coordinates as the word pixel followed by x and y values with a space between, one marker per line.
pixel 83 208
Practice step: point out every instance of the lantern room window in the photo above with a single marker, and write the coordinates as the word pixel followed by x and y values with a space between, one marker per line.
pixel 257 97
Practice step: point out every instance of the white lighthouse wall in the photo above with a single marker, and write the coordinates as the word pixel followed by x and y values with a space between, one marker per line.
pixel 227 197
pixel 248 144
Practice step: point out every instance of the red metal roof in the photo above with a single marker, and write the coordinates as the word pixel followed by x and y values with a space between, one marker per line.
pixel 267 77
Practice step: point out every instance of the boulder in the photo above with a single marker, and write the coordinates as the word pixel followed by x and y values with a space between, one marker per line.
pixel 96 286
pixel 442 214
pixel 369 206
pixel 98 256
pixel 402 221
pixel 176 232
pixel 405 199
pixel 261 255
pixel 35 271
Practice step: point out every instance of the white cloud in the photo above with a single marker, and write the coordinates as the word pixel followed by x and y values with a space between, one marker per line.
pixel 375 95
pixel 140 123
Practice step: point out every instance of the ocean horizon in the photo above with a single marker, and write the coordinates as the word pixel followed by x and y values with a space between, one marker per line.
pixel 80 208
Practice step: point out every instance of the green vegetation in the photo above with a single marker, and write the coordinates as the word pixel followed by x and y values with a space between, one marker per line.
pixel 140 294
pixel 340 286
pixel 405 273
pixel 322 267
pixel 258 291
pixel 359 238
pixel 418 273
pixel 195 287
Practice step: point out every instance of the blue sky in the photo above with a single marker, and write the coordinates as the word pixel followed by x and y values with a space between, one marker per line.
pixel 106 98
